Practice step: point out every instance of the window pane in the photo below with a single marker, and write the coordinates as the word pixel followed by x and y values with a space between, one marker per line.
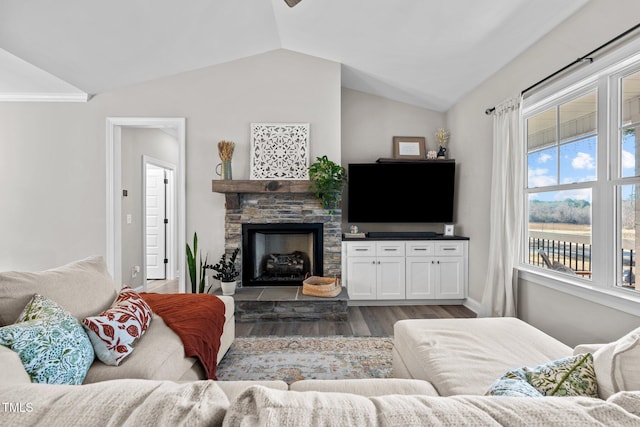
pixel 543 168
pixel 559 231
pixel 630 99
pixel 541 130
pixel 578 117
pixel 628 153
pixel 629 122
pixel 578 161
pixel 627 238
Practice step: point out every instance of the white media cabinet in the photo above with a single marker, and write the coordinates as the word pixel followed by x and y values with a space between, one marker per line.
pixel 406 270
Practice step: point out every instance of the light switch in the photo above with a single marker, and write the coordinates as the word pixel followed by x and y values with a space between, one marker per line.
pixel 129 219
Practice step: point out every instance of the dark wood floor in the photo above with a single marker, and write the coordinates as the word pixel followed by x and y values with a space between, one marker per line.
pixel 370 321
pixel 362 321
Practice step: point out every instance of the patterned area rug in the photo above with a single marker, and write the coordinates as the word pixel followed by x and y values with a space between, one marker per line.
pixel 295 358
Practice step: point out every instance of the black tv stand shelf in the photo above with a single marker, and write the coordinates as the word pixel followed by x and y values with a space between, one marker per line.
pixel 400 234
pixel 404 235
pixel 390 160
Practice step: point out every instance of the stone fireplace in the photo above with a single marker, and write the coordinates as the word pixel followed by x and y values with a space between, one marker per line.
pixel 271 207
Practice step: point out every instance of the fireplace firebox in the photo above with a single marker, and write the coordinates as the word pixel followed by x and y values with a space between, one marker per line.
pixel 281 254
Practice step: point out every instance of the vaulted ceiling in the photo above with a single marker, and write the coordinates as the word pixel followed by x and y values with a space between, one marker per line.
pixel 428 53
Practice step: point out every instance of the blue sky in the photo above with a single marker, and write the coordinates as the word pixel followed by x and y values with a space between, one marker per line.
pixel 573 163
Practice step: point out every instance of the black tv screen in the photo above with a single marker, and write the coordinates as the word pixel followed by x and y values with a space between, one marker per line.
pixel 401 192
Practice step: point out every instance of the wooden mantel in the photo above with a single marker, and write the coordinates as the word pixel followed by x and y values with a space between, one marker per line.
pixel 232 188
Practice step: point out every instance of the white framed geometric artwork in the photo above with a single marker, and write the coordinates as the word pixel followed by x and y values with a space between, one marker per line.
pixel 279 151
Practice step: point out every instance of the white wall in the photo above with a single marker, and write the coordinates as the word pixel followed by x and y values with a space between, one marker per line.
pixel 471 142
pixel 52 166
pixel 369 124
pixel 52 185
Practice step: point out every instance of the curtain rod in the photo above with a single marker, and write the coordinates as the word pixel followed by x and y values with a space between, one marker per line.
pixel 582 59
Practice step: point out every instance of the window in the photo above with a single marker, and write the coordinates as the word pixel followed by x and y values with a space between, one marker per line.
pixel 562 144
pixel 627 179
pixel 582 138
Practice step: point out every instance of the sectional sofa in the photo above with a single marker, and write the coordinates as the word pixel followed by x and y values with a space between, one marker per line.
pixel 451 372
pixel 85 288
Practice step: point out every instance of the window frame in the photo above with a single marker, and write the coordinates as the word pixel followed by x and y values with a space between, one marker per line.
pixel 605 76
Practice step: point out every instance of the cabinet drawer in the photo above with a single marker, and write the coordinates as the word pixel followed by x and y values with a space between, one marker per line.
pixel 420 248
pixel 390 248
pixel 449 248
pixel 361 249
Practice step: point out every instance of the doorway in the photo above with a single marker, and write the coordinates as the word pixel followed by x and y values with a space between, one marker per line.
pixel 159 220
pixel 121 256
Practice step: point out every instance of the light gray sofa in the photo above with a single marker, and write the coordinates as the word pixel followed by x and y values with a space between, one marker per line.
pixel 465 356
pixel 447 364
pixel 398 402
pixel 373 402
pixel 85 288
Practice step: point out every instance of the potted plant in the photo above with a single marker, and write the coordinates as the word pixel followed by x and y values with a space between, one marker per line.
pixel 197 285
pixel 327 181
pixel 227 272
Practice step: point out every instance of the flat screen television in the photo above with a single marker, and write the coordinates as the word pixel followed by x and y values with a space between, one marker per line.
pixel 401 192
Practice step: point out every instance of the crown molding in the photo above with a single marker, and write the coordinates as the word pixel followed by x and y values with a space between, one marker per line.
pixel 44 97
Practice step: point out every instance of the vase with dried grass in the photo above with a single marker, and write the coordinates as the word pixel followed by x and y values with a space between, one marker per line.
pixel 225 150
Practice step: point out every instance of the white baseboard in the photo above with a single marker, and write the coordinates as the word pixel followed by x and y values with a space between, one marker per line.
pixel 472 305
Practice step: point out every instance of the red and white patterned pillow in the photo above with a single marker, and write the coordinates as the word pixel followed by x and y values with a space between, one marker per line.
pixel 114 331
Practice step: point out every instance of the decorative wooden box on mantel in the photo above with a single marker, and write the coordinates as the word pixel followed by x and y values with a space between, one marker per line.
pixel 233 187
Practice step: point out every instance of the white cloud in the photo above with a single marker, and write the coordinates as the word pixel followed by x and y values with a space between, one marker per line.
pixel 628 160
pixel 574 179
pixel 544 158
pixel 583 161
pixel 540 178
pixel 582 194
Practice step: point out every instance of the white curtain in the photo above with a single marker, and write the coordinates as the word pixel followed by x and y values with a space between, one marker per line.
pixel 499 298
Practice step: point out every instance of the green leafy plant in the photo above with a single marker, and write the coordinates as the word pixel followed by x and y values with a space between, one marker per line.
pixel 327 181
pixel 226 269
pixel 197 286
pixel 191 263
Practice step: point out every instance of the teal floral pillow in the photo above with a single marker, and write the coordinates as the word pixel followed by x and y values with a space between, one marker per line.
pixel 51 343
pixel 571 376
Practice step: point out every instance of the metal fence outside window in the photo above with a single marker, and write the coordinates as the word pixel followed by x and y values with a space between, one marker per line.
pixel 577 256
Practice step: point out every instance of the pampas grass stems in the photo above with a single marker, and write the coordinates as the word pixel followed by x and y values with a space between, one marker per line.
pixel 225 150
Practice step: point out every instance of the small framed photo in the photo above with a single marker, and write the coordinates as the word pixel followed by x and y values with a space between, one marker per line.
pixel 408 147
pixel 448 229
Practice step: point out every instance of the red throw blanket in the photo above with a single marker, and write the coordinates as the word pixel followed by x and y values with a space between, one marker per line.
pixel 198 319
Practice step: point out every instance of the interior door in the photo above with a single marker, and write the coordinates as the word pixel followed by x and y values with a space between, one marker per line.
pixel 155 233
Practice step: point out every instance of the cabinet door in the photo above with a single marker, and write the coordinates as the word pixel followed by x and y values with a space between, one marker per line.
pixel 391 274
pixel 361 278
pixel 420 277
pixel 450 282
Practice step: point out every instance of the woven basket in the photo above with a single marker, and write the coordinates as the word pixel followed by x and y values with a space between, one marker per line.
pixel 316 286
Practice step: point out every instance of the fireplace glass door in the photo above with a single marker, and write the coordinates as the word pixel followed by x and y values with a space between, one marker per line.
pixel 280 254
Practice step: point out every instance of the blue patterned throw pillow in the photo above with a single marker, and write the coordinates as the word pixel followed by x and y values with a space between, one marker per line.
pixel 51 343
pixel 513 385
pixel 570 376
